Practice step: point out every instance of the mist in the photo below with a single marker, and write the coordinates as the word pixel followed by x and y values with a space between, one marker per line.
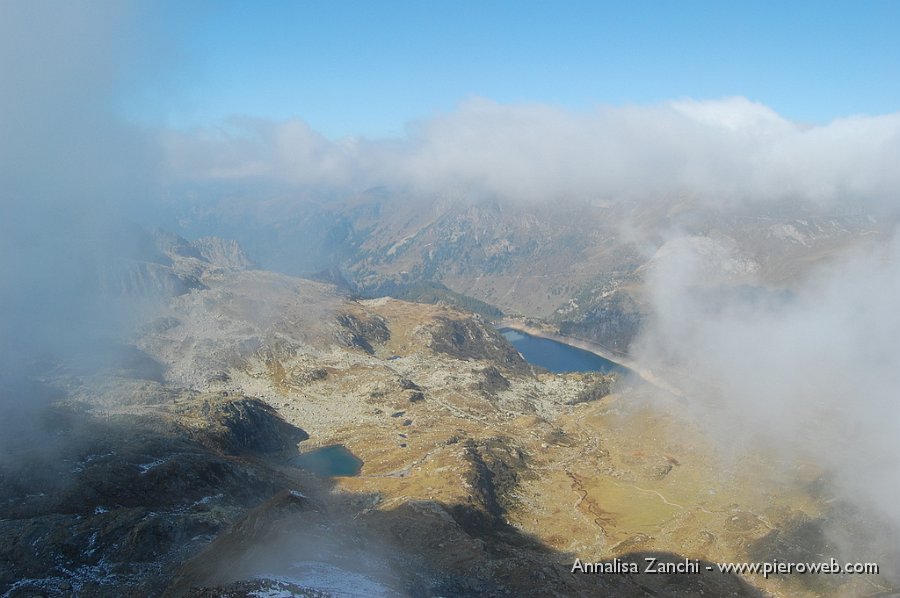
pixel 722 152
pixel 811 375
pixel 74 181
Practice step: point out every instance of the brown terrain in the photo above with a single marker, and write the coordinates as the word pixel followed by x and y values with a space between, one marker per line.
pixel 173 473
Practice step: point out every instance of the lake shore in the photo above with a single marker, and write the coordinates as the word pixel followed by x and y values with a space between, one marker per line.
pixel 519 325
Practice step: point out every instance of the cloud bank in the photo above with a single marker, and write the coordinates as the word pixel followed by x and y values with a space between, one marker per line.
pixel 72 175
pixel 812 375
pixel 720 151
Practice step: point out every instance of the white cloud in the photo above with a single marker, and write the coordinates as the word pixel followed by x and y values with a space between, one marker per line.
pixel 71 173
pixel 254 149
pixel 719 151
pixel 812 375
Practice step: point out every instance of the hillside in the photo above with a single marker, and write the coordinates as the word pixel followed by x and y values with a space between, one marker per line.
pixel 174 471
pixel 581 265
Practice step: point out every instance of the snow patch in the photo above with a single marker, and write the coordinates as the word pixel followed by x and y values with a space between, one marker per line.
pixel 330 579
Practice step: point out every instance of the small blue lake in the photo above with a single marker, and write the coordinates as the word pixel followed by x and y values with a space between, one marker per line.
pixel 558 357
pixel 330 461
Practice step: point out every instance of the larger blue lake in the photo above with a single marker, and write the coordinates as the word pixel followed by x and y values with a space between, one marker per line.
pixel 558 357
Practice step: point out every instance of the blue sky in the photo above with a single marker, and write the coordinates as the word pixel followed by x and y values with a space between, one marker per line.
pixel 369 68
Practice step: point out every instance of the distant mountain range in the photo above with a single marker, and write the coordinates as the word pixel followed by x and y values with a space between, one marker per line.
pixel 581 266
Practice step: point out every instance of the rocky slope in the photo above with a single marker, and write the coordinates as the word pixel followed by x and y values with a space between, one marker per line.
pixel 172 473
pixel 581 265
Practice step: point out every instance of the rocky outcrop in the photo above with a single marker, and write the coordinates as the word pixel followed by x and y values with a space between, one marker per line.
pixel 492 381
pixel 496 466
pixel 598 387
pixel 223 253
pixel 166 265
pixel 149 280
pixel 246 541
pixel 362 333
pixel 470 338
pixel 174 246
pixel 612 318
pixel 114 505
pixel 239 425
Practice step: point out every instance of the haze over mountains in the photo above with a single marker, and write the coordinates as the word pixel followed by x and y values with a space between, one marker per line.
pixel 165 354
